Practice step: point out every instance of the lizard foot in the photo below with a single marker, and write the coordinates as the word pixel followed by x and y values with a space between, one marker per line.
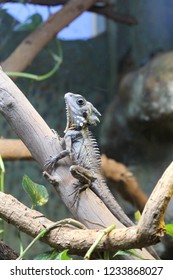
pixel 52 179
pixel 51 163
pixel 53 160
pixel 77 190
pixel 84 178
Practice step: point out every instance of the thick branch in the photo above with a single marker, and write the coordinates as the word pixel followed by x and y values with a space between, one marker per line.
pixel 67 237
pixel 12 149
pixel 43 143
pixel 155 208
pixel 121 178
pixel 33 44
pixel 6 253
pixel 149 230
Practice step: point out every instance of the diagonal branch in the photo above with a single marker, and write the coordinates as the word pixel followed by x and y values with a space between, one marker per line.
pixel 43 143
pixel 117 173
pixel 33 44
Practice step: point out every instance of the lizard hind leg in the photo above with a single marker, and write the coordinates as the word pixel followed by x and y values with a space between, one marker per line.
pixel 82 174
pixel 84 177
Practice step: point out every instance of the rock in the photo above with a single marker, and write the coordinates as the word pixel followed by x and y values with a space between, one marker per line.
pixel 138 125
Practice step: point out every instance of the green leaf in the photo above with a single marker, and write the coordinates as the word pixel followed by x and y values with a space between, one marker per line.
pixel 169 229
pixel 50 255
pixel 37 193
pixel 53 255
pixel 129 253
pixel 2 167
pixel 30 24
pixel 2 173
pixel 63 256
pixel 137 215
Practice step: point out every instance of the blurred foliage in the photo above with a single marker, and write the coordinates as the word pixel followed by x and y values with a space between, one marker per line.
pixel 30 24
pixel 53 255
pixel 169 229
pixel 36 192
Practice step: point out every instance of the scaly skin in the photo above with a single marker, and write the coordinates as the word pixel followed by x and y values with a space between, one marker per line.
pixel 84 152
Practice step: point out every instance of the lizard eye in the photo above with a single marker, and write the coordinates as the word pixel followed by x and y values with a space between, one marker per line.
pixel 80 101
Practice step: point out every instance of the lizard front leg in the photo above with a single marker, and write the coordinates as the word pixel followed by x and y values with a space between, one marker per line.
pixel 53 160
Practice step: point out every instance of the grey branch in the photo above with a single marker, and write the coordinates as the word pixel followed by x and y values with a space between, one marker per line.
pixel 43 143
pixel 77 241
pixel 90 210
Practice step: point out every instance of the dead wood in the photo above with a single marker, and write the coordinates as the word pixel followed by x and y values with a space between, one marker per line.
pixel 77 241
pixel 13 149
pixel 43 143
pixel 119 175
pixel 148 231
pixel 6 253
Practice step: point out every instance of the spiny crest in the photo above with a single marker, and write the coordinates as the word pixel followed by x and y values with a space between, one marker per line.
pixel 95 148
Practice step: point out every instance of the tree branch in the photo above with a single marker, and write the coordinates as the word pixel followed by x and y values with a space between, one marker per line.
pixel 12 149
pixel 33 43
pixel 119 175
pixel 43 143
pixel 155 208
pixel 111 14
pixel 77 241
pixel 106 10
pixel 6 253
pixel 148 231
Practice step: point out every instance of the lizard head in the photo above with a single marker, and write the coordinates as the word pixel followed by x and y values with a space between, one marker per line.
pixel 80 112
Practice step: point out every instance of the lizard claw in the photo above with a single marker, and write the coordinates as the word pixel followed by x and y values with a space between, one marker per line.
pixel 51 162
pixel 77 190
pixel 52 179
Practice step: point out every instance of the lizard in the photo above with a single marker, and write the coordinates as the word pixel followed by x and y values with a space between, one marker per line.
pixel 82 148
